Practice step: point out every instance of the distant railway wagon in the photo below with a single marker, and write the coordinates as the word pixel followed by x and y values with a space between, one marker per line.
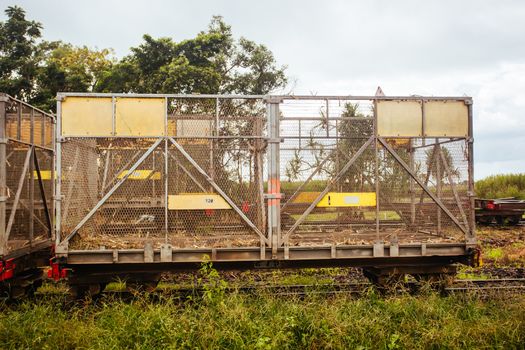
pixel 26 205
pixel 502 211
pixel 149 183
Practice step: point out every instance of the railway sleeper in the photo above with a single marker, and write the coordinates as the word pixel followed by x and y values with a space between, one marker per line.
pixel 411 278
pixel 92 286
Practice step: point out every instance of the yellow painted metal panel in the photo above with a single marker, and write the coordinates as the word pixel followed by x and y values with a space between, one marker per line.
pixel 399 118
pixel 140 175
pixel 348 199
pixel 197 201
pixel 44 174
pixel 87 116
pixel 446 119
pixel 139 116
pixel 306 197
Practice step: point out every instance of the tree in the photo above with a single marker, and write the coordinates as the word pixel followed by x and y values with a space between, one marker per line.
pixel 213 62
pixel 69 68
pixel 431 162
pixel 352 134
pixel 20 53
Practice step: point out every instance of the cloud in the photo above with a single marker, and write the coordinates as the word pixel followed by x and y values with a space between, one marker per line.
pixel 348 47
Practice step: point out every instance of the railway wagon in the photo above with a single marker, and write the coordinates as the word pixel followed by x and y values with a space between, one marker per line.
pixel 26 186
pixel 504 211
pixel 148 183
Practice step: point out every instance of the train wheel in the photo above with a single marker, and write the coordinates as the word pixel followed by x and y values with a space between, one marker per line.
pixel 514 220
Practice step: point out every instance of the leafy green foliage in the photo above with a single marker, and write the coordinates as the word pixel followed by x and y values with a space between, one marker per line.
pixel 213 62
pixel 20 53
pixel 433 156
pixel 67 68
pixel 501 186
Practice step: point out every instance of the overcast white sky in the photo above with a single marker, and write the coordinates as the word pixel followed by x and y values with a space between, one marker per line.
pixel 346 47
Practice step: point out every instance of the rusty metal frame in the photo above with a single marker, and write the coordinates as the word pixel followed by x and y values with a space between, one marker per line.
pixel 19 192
pixel 422 185
pixel 31 162
pixel 218 189
pixel 271 240
pixel 112 190
pixel 329 186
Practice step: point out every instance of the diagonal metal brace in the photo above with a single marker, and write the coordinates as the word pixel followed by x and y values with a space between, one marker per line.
pixel 187 172
pixel 18 193
pixel 219 190
pixel 310 177
pixel 422 185
pixel 42 192
pixel 113 189
pixel 328 187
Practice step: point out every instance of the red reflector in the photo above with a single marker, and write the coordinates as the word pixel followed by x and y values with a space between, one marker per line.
pixel 490 206
pixel 7 269
pixel 10 264
pixel 56 272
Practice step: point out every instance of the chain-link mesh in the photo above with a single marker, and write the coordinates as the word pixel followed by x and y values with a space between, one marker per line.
pixel 215 148
pixel 204 185
pixel 27 222
pixel 442 167
pixel 321 138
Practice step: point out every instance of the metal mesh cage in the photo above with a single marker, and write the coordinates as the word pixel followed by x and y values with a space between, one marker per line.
pixel 214 151
pixel 29 172
pixel 321 140
pixel 208 179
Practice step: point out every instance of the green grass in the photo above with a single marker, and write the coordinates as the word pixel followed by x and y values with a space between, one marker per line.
pixel 238 321
pixel 501 186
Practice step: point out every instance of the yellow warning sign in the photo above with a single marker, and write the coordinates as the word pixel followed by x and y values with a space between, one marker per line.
pixel 197 201
pixel 348 199
pixel 141 175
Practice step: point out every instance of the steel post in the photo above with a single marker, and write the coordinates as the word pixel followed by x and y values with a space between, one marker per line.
pixel 31 179
pixel 58 171
pixel 166 164
pixel 274 176
pixel 3 189
pixel 376 170
pixel 438 186
pixel 471 236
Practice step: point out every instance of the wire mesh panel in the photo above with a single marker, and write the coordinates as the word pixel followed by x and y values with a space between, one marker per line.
pixel 93 168
pixel 215 168
pixel 322 181
pixel 343 186
pixel 29 174
pixel 442 167
pixel 200 185
pixel 204 171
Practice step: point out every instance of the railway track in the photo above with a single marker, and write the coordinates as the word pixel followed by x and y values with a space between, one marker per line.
pixel 482 287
